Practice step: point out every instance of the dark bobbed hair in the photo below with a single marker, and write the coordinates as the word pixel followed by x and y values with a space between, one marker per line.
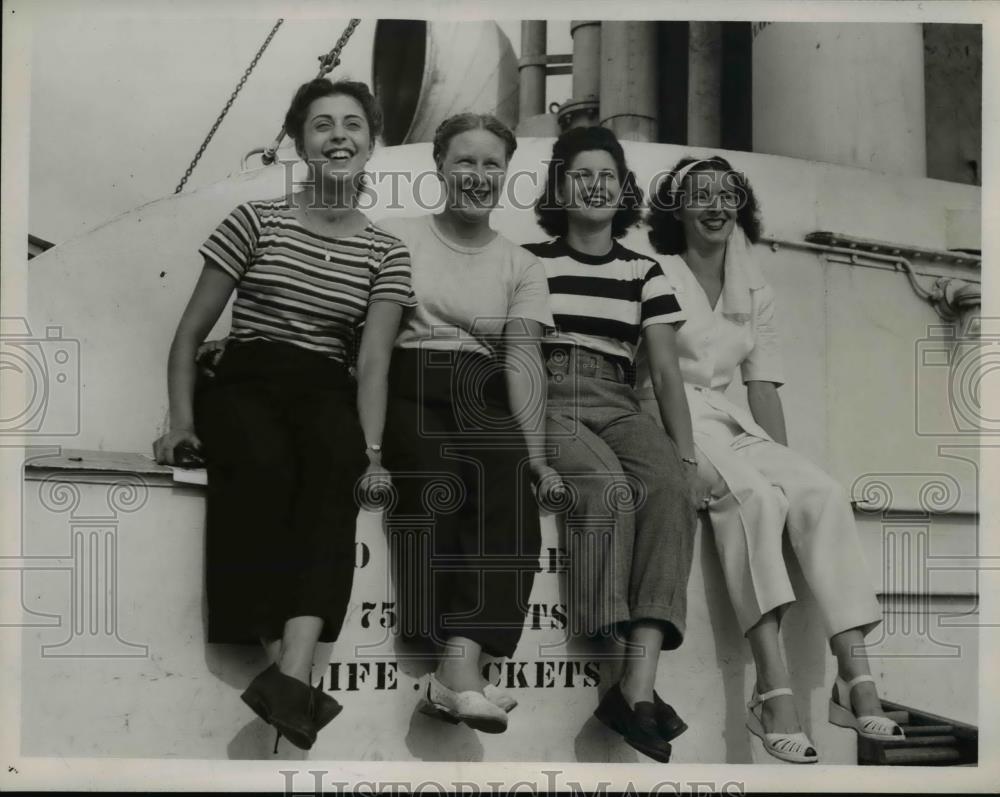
pixel 552 216
pixel 462 123
pixel 307 93
pixel 666 233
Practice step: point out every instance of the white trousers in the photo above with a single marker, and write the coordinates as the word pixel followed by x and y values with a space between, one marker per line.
pixel 759 489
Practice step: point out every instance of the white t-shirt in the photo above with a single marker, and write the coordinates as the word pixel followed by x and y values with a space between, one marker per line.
pixel 465 295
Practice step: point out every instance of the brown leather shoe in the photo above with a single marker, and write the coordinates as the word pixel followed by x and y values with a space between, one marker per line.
pixel 669 724
pixel 325 708
pixel 285 703
pixel 637 725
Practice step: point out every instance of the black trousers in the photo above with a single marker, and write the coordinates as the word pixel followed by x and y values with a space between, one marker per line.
pixel 284 451
pixel 463 529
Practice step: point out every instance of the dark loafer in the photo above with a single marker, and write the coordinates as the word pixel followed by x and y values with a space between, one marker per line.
pixel 325 708
pixel 637 726
pixel 285 703
pixel 669 724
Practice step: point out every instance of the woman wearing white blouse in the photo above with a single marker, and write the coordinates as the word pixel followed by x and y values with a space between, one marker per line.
pixel 757 487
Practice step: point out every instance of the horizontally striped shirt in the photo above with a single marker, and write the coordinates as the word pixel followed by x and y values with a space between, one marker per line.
pixel 605 302
pixel 296 286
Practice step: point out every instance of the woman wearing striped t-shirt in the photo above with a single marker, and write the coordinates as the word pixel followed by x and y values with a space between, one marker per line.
pixel 285 428
pixel 630 527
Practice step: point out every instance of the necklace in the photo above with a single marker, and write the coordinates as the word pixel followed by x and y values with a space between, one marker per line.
pixel 327 252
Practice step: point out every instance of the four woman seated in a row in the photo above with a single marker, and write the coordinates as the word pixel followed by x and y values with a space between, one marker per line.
pixel 496 378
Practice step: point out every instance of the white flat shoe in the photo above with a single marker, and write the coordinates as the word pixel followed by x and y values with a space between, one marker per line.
pixel 471 707
pixel 500 698
pixel 795 748
pixel 870 726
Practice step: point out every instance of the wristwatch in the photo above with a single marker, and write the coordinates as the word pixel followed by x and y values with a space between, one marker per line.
pixel 376 447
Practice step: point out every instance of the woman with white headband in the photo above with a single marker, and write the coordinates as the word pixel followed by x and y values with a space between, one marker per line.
pixel 705 214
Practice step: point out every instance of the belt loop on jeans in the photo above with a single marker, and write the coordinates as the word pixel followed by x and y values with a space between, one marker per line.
pixel 562 359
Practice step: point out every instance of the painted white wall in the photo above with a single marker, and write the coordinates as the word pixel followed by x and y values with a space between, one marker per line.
pixel 180 697
pixel 843 93
pixel 849 335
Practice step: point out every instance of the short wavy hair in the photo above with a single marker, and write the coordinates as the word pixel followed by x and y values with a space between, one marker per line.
pixel 307 93
pixel 666 233
pixel 553 216
pixel 462 123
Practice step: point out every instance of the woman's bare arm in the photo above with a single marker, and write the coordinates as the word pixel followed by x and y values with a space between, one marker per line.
pixel 765 406
pixel 208 300
pixel 668 385
pixel 381 327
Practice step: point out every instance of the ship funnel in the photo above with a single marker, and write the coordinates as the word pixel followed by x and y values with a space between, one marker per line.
pixel 425 71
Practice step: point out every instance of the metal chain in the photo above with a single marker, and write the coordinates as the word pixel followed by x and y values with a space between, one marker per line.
pixel 326 64
pixel 225 110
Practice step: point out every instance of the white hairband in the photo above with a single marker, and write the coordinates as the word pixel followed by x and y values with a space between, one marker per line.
pixel 678 179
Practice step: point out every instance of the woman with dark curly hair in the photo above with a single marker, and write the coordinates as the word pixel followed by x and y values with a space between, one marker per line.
pixel 286 428
pixel 706 216
pixel 630 524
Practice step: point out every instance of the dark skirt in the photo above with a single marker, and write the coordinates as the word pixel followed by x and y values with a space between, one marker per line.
pixel 463 530
pixel 284 451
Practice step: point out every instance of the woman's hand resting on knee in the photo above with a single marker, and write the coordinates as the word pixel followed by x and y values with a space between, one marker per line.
pixel 699 490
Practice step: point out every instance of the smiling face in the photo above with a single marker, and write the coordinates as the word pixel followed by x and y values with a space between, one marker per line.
pixel 336 138
pixel 591 189
pixel 473 170
pixel 709 211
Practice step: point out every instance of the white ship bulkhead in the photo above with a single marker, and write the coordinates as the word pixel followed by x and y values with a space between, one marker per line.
pixel 870 397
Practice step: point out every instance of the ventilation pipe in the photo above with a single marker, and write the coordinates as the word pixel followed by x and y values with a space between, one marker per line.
pixel 704 111
pixel 533 69
pixel 851 94
pixel 583 108
pixel 628 88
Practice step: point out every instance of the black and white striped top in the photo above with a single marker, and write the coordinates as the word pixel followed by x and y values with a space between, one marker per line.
pixel 605 302
pixel 298 287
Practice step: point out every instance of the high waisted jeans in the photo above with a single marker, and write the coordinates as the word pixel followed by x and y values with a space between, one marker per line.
pixel 630 528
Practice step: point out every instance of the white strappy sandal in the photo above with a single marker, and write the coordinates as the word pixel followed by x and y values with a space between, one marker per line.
pixel 795 748
pixel 870 726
